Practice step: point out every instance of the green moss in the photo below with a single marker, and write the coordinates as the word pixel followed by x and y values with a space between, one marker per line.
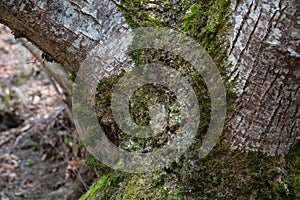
pixel 72 76
pixel 105 188
pixel 158 185
pixel 97 186
pixel 227 174
pixel 205 21
pixel 223 174
pixel 101 169
pixel 293 175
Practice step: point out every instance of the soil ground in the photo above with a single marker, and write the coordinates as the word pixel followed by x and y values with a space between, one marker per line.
pixel 39 155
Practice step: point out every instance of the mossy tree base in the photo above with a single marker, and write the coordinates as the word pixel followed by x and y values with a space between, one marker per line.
pixel 223 174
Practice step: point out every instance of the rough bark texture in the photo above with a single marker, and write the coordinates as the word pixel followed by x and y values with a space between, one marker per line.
pixel 67 30
pixel 265 53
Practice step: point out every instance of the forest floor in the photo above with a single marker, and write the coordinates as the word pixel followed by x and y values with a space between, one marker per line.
pixel 39 155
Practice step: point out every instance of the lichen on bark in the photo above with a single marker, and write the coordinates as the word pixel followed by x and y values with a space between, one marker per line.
pixel 265 56
pixel 223 173
pixel 205 21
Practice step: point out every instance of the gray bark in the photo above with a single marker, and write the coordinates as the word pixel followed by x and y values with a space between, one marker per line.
pixel 264 51
pixel 67 30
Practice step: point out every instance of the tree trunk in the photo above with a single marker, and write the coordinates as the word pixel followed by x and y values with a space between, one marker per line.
pixel 264 51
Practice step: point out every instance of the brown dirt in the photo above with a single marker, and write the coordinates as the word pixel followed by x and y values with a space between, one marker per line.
pixel 39 155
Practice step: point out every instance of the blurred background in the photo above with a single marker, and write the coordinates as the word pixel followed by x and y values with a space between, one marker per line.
pixel 40 157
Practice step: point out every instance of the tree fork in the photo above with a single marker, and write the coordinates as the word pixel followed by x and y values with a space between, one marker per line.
pixel 264 51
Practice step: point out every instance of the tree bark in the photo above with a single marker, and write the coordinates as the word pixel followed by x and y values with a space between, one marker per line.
pixel 66 30
pixel 264 52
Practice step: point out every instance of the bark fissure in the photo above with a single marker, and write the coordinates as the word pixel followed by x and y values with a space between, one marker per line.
pixel 264 52
pixel 241 55
pixel 266 74
pixel 240 28
pixel 77 26
pixel 289 30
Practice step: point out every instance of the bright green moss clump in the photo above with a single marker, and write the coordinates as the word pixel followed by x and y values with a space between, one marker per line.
pixel 105 188
pixel 97 186
pixel 223 174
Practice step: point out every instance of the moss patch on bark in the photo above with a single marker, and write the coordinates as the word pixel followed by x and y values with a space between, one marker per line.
pixel 223 174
